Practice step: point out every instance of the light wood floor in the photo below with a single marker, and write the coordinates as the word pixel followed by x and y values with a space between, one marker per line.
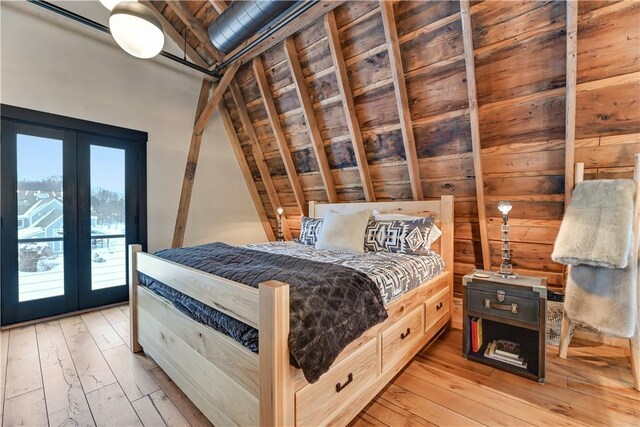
pixel 79 371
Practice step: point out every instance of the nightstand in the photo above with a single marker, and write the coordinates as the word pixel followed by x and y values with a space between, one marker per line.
pixel 510 309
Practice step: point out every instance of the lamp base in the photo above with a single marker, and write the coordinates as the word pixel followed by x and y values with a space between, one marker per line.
pixel 507 275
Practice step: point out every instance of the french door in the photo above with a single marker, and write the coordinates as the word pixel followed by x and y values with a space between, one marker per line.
pixel 71 202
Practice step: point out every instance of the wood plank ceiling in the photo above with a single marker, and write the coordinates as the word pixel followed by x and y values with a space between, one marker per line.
pixel 417 99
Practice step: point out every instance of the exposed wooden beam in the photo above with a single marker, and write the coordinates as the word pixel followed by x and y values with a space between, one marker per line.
pixel 310 118
pixel 281 140
pixel 246 171
pixel 192 23
pixel 397 73
pixel 190 172
pixel 349 106
pixel 476 147
pixel 219 5
pixel 570 93
pixel 205 115
pixel 177 38
pixel 308 18
pixel 247 125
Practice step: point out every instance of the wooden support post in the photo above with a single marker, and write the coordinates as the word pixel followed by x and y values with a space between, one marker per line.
pixel 189 172
pixel 177 38
pixel 570 94
pixel 257 155
pixel 192 23
pixel 281 140
pixel 397 74
pixel 634 341
pixel 276 382
pixel 134 345
pixel 204 117
pixel 467 36
pixel 246 172
pixel 447 219
pixel 206 106
pixel 346 96
pixel 310 118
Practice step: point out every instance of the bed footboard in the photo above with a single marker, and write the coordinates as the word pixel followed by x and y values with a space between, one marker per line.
pixel 228 383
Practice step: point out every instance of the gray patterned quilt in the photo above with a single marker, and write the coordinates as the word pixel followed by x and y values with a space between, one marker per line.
pixel 335 297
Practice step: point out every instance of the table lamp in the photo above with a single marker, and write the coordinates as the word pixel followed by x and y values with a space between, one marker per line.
pixel 280 211
pixel 506 269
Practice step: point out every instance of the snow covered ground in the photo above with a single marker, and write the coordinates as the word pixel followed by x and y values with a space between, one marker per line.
pixel 108 269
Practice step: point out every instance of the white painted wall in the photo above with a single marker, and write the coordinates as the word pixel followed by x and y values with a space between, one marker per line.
pixel 51 64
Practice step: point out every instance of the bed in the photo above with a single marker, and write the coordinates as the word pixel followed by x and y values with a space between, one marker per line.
pixel 233 385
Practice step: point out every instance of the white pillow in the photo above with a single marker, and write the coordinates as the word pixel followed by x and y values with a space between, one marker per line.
pixel 433 235
pixel 344 232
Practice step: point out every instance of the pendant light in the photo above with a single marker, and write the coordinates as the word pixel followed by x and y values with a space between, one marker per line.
pixel 136 29
pixel 110 4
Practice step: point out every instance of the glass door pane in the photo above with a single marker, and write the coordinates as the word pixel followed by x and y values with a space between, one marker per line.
pixel 108 217
pixel 40 217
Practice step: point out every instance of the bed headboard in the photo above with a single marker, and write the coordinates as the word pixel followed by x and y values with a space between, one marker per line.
pixel 441 210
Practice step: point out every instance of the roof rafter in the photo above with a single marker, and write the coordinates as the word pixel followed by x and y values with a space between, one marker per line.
pixel 246 171
pixel 310 117
pixel 476 147
pixel 247 125
pixel 192 23
pixel 219 5
pixel 397 73
pixel 177 38
pixel 349 106
pixel 274 120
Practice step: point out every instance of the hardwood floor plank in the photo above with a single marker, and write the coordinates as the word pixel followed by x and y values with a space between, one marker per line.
pixel 492 398
pixel 101 330
pixel 66 402
pixel 393 415
pixel 4 350
pixel 146 361
pixel 125 310
pixel 122 329
pixel 114 315
pixel 147 412
pixel 424 408
pixel 92 369
pixel 23 366
pixel 167 410
pixel 110 407
pixel 468 408
pixel 132 377
pixel 182 402
pixel 371 420
pixel 27 409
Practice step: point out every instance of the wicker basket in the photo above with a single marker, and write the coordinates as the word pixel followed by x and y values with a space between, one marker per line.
pixel 555 312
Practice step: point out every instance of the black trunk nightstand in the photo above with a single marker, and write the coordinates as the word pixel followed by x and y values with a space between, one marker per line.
pixel 512 310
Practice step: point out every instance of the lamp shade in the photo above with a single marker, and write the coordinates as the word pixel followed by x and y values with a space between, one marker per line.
pixel 504 207
pixel 136 29
pixel 110 4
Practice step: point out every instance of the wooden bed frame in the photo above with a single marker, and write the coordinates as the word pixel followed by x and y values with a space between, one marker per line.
pixel 234 386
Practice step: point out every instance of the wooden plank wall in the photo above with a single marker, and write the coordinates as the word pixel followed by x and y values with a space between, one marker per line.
pixel 519 52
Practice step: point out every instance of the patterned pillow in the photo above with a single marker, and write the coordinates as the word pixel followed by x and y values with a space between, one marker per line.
pixel 406 237
pixel 309 230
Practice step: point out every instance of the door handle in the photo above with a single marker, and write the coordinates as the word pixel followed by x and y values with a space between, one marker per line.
pixel 504 307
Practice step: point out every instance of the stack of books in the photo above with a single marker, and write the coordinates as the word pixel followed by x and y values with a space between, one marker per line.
pixel 505 351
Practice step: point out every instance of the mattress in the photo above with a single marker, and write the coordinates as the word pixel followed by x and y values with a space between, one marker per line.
pixel 395 274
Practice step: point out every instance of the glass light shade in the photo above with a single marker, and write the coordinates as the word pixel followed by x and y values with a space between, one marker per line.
pixel 280 210
pixel 136 29
pixel 504 207
pixel 110 4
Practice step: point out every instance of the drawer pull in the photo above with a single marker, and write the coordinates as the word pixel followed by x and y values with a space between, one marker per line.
pixel 405 334
pixel 439 306
pixel 504 307
pixel 340 387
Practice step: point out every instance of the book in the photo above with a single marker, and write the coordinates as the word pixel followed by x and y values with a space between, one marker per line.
pixel 490 353
pixel 476 334
pixel 508 349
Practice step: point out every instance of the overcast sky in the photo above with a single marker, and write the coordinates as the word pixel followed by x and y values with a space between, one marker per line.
pixel 40 158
